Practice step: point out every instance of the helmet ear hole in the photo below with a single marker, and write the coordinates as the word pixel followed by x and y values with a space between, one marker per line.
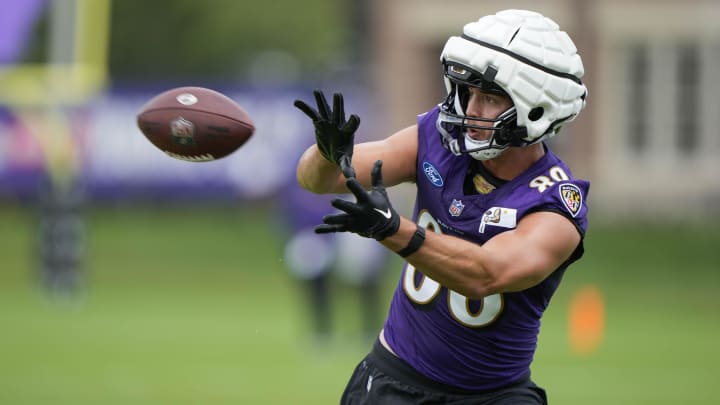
pixel 536 113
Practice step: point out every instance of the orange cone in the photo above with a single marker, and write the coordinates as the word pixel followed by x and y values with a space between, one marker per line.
pixel 586 326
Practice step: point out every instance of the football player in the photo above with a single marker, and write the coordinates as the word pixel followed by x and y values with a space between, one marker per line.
pixel 497 221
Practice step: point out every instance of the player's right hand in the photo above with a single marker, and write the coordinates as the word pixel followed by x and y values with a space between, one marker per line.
pixel 371 215
pixel 334 135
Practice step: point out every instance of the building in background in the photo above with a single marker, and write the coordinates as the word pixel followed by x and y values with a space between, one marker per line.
pixel 649 139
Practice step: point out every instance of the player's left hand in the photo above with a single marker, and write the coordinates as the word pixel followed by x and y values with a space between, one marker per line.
pixel 334 135
pixel 371 216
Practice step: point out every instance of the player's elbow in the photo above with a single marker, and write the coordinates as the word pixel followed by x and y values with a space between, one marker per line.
pixel 515 282
pixel 481 286
pixel 477 292
pixel 305 183
pixel 473 279
pixel 315 174
pixel 501 282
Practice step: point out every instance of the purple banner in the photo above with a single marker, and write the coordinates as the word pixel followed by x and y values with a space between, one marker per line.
pixel 117 162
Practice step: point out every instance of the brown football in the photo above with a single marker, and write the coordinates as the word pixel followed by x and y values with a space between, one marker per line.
pixel 195 124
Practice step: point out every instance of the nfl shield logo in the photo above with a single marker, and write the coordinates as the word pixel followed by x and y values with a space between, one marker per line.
pixel 183 132
pixel 456 207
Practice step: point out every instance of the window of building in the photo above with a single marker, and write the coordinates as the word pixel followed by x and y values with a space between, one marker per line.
pixel 665 87
pixel 688 98
pixel 637 94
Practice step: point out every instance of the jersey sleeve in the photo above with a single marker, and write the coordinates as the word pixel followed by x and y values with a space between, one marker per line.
pixel 568 198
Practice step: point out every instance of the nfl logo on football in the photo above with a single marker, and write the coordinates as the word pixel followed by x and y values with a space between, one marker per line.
pixel 183 132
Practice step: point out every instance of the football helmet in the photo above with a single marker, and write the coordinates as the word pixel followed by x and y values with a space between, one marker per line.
pixel 523 55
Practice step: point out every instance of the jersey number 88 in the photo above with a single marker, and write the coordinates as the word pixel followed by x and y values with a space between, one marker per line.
pixel 426 289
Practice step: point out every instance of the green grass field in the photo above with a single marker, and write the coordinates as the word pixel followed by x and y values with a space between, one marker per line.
pixel 193 306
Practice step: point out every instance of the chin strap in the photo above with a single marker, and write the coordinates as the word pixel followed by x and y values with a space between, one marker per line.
pixel 511 136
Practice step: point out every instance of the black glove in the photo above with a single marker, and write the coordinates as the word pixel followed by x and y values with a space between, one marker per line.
pixel 372 216
pixel 333 134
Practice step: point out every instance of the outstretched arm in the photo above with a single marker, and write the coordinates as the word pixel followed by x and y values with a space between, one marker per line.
pixel 398 152
pixel 511 261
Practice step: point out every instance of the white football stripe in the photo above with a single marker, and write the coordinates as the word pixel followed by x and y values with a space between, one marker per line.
pixel 206 157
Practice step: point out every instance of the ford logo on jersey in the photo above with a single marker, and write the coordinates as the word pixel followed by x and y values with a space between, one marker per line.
pixel 432 174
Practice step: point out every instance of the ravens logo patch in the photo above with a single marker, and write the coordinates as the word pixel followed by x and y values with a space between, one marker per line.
pixel 571 197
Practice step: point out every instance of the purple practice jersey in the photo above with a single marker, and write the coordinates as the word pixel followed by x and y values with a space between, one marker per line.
pixel 477 344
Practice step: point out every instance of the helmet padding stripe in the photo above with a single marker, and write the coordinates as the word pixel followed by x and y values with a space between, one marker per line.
pixel 523 59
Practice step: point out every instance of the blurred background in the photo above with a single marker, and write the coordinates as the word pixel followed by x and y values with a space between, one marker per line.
pixel 130 277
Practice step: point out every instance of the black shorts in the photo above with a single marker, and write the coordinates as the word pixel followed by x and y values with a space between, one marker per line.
pixel 382 378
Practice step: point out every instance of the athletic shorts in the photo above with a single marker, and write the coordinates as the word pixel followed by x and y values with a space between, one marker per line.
pixel 381 378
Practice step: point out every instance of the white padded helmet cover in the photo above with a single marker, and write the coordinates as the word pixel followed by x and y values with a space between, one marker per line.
pixel 533 60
